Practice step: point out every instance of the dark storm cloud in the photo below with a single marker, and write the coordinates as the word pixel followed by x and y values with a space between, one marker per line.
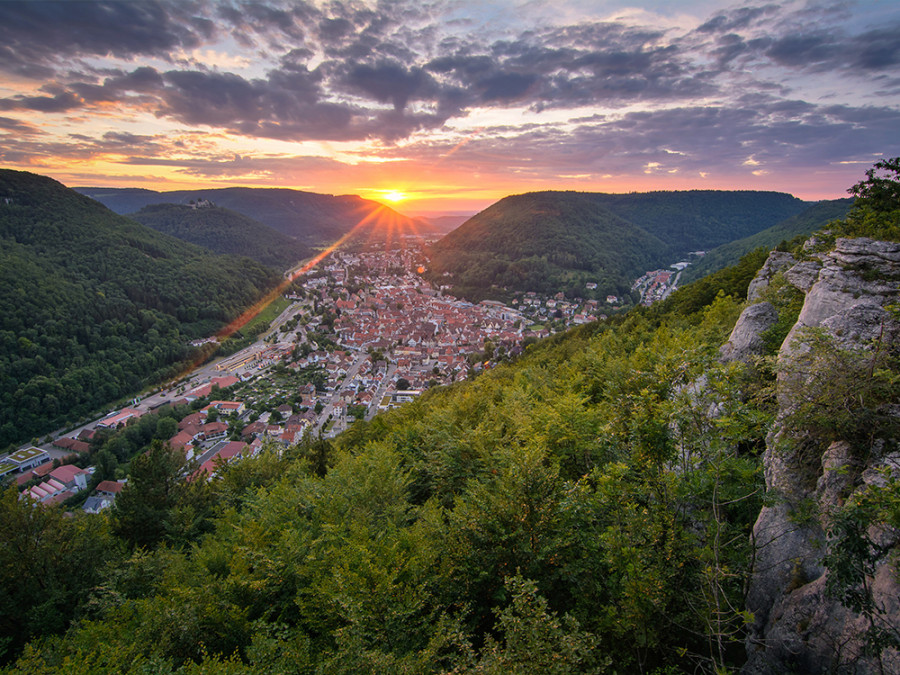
pixel 35 35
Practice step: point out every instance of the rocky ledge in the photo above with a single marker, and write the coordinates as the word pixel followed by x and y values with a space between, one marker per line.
pixel 798 626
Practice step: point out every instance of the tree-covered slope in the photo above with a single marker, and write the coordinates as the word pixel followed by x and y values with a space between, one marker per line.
pixel 548 241
pixel 93 304
pixel 588 508
pixel 224 231
pixel 540 519
pixel 311 218
pixel 544 241
pixel 702 219
pixel 803 224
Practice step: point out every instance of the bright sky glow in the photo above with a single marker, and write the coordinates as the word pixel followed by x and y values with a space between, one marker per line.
pixel 451 104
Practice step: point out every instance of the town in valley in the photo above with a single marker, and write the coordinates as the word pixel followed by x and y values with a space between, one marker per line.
pixel 361 333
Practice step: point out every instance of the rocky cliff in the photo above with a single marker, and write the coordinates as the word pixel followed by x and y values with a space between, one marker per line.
pixel 824 595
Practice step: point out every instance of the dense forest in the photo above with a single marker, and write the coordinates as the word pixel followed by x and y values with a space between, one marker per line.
pixel 586 508
pixel 529 521
pixel 312 219
pixel 544 242
pixel 814 218
pixel 224 231
pixel 94 305
pixel 559 241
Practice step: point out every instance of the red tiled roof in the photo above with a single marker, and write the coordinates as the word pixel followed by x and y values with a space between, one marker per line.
pixel 66 473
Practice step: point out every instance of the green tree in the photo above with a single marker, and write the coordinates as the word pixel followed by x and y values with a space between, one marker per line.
pixel 158 502
pixel 880 191
pixel 48 564
pixel 535 640
pixel 166 427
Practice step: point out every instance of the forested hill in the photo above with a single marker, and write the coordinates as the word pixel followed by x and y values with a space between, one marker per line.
pixel 224 231
pixel 544 241
pixel 93 304
pixel 547 241
pixel 311 218
pixel 693 220
pixel 803 224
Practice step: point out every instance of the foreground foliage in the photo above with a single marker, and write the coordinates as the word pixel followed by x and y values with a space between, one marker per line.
pixel 581 510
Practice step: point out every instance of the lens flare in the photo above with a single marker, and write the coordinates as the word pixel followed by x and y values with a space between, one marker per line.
pixel 385 224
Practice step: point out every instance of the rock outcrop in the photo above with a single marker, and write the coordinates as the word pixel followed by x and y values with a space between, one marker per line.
pixel 775 263
pixel 747 336
pixel 798 626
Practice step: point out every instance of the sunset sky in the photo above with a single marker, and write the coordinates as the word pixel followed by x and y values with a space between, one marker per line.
pixel 449 105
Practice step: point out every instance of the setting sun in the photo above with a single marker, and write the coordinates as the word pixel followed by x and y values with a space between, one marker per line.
pixel 393 196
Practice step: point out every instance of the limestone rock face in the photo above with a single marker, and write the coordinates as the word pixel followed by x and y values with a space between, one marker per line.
pixel 856 272
pixel 747 335
pixel 804 274
pixel 798 627
pixel 777 261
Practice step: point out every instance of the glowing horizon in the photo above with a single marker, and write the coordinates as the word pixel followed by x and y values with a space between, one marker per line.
pixel 564 95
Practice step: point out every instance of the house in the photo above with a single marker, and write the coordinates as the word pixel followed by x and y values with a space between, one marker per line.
pixel 195 419
pixel 86 435
pixel 72 477
pixel 253 429
pixel 72 444
pixel 182 441
pixel 104 496
pixel 110 488
pixel 222 453
pixel 206 389
pixel 213 431
pixel 48 491
pixel 224 408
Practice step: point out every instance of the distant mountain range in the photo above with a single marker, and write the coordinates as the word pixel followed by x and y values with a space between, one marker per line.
pixel 560 241
pixel 312 219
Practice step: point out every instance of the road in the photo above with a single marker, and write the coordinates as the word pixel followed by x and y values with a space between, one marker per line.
pixel 352 371
pixel 200 375
pixel 382 390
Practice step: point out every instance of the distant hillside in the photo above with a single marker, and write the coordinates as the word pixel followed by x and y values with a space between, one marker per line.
pixel 446 224
pixel 224 231
pixel 702 219
pixel 93 304
pixel 313 219
pixel 550 241
pixel 803 224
